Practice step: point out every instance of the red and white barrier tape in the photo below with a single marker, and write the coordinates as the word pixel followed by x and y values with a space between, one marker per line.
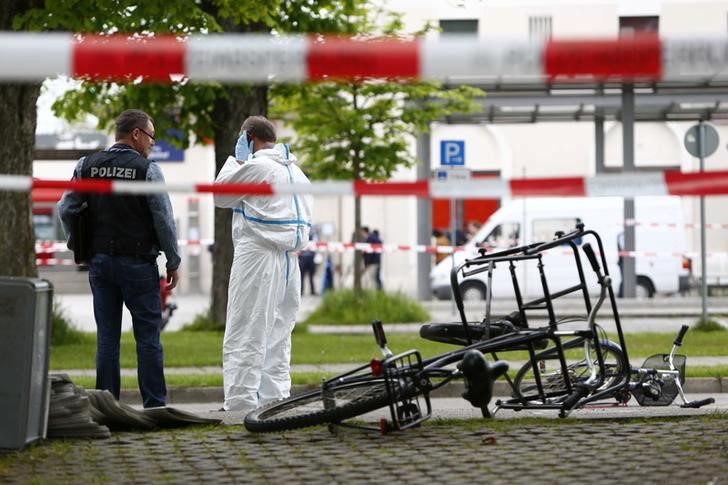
pixel 236 58
pixel 51 247
pixel 621 185
pixel 54 262
pixel 688 225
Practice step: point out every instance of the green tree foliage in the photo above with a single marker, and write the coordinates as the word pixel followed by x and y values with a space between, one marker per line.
pixel 198 111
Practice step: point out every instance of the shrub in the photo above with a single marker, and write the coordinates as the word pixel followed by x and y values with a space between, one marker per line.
pixel 708 325
pixel 203 322
pixel 62 330
pixel 347 307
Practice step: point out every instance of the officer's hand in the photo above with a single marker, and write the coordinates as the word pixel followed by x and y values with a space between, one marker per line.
pixel 243 148
pixel 172 279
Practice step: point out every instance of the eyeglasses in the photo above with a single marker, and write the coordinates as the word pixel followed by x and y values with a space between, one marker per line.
pixel 150 136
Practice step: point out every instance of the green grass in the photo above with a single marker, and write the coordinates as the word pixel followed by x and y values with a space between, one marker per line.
pixel 199 349
pixel 344 307
pixel 314 378
pixel 198 380
pixel 181 349
pixel 62 328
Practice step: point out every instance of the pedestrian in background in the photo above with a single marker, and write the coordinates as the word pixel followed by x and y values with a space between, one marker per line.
pixel 126 233
pixel 265 281
pixel 472 229
pixel 440 240
pixel 307 263
pixel 373 260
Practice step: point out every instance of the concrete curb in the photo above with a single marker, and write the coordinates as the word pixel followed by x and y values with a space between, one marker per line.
pixel 187 395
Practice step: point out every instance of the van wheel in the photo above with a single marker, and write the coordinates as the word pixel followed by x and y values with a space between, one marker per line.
pixel 644 288
pixel 472 290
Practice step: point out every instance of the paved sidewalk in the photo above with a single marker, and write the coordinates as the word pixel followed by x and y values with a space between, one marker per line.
pixel 689 450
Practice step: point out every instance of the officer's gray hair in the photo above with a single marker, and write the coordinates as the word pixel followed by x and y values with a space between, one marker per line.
pixel 260 127
pixel 130 119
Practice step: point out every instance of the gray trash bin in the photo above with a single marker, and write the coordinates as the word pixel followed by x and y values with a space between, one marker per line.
pixel 25 325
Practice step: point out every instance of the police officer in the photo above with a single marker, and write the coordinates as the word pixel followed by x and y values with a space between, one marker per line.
pixel 126 233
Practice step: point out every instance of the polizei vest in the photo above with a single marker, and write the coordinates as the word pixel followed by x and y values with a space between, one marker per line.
pixel 119 224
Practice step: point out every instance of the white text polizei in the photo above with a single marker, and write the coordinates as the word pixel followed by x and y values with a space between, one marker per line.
pixel 113 172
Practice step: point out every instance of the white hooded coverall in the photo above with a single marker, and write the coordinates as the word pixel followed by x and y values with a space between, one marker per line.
pixel 265 279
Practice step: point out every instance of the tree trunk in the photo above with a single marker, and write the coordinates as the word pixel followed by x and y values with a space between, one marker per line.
pixel 229 113
pixel 17 130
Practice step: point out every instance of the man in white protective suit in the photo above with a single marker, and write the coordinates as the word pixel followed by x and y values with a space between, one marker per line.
pixel 265 279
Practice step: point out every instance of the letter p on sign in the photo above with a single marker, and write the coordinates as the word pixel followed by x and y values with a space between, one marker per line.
pixel 452 152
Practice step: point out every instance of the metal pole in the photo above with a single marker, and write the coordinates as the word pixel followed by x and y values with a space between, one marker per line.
pixel 629 281
pixel 599 141
pixel 703 268
pixel 453 243
pixel 424 220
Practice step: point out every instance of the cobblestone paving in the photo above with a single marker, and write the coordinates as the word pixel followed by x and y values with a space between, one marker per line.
pixel 689 450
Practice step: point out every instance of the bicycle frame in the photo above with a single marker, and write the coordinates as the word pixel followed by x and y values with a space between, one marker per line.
pixel 420 373
pixel 534 252
pixel 407 376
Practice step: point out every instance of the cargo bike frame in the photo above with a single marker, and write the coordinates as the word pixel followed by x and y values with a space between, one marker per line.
pixel 404 382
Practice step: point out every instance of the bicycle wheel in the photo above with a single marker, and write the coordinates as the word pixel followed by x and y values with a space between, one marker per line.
pixel 313 408
pixel 552 378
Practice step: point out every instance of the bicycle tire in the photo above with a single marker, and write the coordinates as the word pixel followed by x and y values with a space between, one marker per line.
pixel 553 382
pixel 309 409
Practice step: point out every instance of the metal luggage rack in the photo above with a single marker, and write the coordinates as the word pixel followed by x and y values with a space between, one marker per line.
pixel 487 262
pixel 533 252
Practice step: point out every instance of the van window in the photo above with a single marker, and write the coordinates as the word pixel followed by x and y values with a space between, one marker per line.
pixel 544 229
pixel 502 236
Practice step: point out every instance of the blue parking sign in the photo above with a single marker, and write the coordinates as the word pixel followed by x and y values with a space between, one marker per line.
pixel 452 152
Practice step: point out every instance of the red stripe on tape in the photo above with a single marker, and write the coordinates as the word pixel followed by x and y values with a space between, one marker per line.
pixel 78 185
pixel 638 56
pixel 564 186
pixel 699 183
pixel 347 58
pixel 420 188
pixel 119 58
pixel 235 189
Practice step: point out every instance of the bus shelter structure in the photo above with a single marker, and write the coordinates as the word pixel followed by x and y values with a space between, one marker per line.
pixel 702 98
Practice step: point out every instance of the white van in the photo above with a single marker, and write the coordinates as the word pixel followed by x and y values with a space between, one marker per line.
pixel 524 221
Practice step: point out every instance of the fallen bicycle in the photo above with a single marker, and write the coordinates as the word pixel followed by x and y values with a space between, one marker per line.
pixel 551 379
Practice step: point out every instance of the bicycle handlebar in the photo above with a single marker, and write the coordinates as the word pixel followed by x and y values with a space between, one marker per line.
pixel 680 335
pixel 698 404
pixel 556 242
pixel 591 256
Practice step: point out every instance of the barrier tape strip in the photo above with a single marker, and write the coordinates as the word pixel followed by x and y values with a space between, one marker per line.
pixel 51 247
pixel 236 58
pixel 620 185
